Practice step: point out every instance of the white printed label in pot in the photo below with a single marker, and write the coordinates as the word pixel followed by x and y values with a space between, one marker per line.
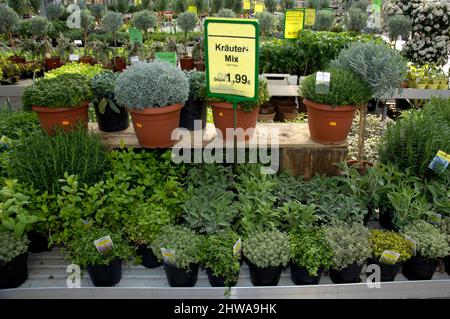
pixel 104 244
pixel 168 256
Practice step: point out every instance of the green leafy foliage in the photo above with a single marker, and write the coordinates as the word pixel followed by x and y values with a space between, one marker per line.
pixel 154 84
pixel 182 240
pixel 41 160
pixel 187 21
pixel 297 215
pixel 210 174
pixel 355 19
pixel 267 249
pixel 11 247
pixel 310 249
pixel 324 20
pixel 66 90
pixel 39 27
pixel 399 25
pixel 144 20
pixel 103 86
pixel 197 85
pixel 83 252
pixel 216 254
pixel 226 13
pixel 14 124
pixel 54 11
pixel 9 19
pixel 266 23
pixel 345 89
pixel 431 242
pixel 381 240
pixel 349 243
pixel 86 70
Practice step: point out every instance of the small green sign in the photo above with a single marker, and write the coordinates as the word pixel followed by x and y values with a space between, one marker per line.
pixel 135 35
pixel 170 57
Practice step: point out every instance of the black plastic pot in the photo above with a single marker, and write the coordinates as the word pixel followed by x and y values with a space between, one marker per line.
pixel 106 275
pixel 215 281
pixel 347 275
pixel 14 273
pixel 38 242
pixel 301 276
pixel 149 259
pixel 111 121
pixel 386 217
pixel 180 277
pixel 447 264
pixel 269 276
pixel 419 268
pixel 193 111
pixel 388 272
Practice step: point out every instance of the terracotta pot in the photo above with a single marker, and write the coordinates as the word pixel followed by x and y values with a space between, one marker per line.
pixel 267 118
pixel 187 63
pixel 87 60
pixel 200 66
pixel 433 86
pixel 154 126
pixel 65 117
pixel 361 170
pixel 17 59
pixel 404 85
pixel 119 63
pixel 329 125
pixel 289 116
pixel 223 115
pixel 53 63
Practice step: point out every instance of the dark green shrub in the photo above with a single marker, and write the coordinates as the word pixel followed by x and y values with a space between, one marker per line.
pixel 15 124
pixel 41 160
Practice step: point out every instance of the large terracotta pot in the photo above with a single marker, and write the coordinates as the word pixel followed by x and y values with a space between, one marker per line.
pixel 52 63
pixel 329 125
pixel 119 63
pixel 64 117
pixel 223 115
pixel 200 66
pixel 154 126
pixel 187 63
pixel 87 60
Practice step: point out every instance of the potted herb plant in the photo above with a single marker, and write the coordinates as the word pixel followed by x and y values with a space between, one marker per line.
pixel 180 247
pixel 195 107
pixel 101 52
pixel 311 254
pixel 61 101
pixel 381 241
pixel 154 93
pixel 198 54
pixel 431 244
pixel 142 225
pixel 350 246
pixel 218 258
pixel 9 21
pixel 103 260
pixel 144 20
pixel 110 117
pixel 267 253
pixel 111 22
pixel 65 47
pixel 39 27
pixel 87 21
pixel 187 21
pixel 330 115
pixel 246 115
pixel 13 260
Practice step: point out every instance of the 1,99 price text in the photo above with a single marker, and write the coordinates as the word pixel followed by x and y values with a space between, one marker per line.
pixel 236 79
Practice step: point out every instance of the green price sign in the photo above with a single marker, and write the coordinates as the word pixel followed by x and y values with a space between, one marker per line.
pixel 170 57
pixel 135 35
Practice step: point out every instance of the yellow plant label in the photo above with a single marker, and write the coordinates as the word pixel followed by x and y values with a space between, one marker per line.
pixel 389 257
pixel 168 256
pixel 259 7
pixel 443 155
pixel 246 5
pixel 237 248
pixel 192 9
pixel 293 24
pixel 231 57
pixel 310 17
pixel 104 244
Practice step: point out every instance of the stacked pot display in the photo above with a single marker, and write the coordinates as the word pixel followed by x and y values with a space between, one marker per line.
pixel 154 94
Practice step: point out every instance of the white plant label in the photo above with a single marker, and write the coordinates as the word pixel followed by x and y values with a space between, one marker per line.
pixel 412 243
pixel 104 244
pixel 389 257
pixel 323 82
pixel 435 218
pixel 134 59
pixel 73 57
pixel 78 42
pixel 168 256
pixel 237 248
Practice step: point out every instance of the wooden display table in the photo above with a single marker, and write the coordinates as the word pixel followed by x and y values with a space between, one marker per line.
pixel 297 152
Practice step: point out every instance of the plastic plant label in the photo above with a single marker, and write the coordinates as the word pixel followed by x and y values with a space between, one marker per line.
pixel 435 218
pixel 323 82
pixel 135 35
pixel 192 8
pixel 73 57
pixel 259 7
pixel 412 243
pixel 246 5
pixel 168 256
pixel 134 59
pixel 104 244
pixel 77 42
pixel 170 57
pixel 294 20
pixel 389 257
pixel 310 17
pixel 237 248
pixel 440 162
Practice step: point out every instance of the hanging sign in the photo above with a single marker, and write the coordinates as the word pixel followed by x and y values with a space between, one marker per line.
pixel 232 51
pixel 246 5
pixel 192 9
pixel 293 23
pixel 170 57
pixel 310 17
pixel 135 35
pixel 259 7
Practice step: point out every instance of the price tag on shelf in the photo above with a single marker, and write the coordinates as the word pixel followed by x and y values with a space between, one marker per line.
pixel 310 17
pixel 237 248
pixel 412 243
pixel 389 257
pixel 232 52
pixel 168 256
pixel 134 59
pixel 104 244
pixel 294 20
pixel 74 57
pixel 440 162
pixel 323 82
